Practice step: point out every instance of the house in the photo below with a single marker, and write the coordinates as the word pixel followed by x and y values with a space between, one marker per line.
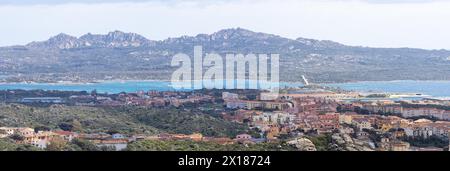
pixel 117 144
pixel 66 135
pixel 347 130
pixel 42 100
pixel 385 127
pixel 40 139
pixel 399 133
pixel 118 136
pixel 362 135
pixel 243 137
pixel 399 146
pixel 229 96
pixel 329 121
pixel 7 131
pixel 345 119
pixel 272 132
pixel 236 104
pixel 387 145
pixel 362 123
pixel 196 137
pixel 429 112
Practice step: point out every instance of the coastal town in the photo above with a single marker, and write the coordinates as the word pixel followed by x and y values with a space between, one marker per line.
pixel 350 121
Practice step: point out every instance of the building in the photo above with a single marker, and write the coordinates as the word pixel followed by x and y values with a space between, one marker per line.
pixel 117 144
pixel 66 135
pixel 243 137
pixel 428 112
pixel 7 131
pixel 240 115
pixel 38 139
pixel 42 100
pixel 383 108
pixel 258 105
pixel 326 95
pixel 328 122
pixel 274 118
pixel 229 96
pixel 345 119
pixel 118 136
pixel 268 105
pixel 268 96
pixel 362 123
pixel 399 146
pixel 236 104
pixel 395 145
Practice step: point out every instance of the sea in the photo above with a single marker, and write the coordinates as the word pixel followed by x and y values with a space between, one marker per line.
pixel 440 89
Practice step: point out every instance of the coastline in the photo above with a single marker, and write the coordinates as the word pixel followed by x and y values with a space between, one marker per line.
pixel 433 88
pixel 164 80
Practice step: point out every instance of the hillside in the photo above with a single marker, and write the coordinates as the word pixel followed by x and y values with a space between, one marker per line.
pixel 128 120
pixel 119 55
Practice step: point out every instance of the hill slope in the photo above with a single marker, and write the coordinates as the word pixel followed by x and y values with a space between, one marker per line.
pixel 119 55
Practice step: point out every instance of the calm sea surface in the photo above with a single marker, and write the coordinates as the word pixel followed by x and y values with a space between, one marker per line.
pixel 433 88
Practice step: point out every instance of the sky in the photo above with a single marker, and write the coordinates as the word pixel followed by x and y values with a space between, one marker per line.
pixel 374 23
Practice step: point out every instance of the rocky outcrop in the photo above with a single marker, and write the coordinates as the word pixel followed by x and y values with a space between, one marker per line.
pixel 303 144
pixel 115 39
pixel 344 142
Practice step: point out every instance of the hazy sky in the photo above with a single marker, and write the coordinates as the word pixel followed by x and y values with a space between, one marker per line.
pixel 376 23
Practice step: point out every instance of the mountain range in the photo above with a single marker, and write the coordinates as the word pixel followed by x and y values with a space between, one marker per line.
pixel 130 56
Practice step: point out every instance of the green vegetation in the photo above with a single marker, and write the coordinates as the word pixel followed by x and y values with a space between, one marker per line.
pixel 127 120
pixel 408 105
pixel 187 122
pixel 321 142
pixel 149 145
pixel 378 96
pixel 432 141
pixel 66 117
pixel 76 145
pixel 7 144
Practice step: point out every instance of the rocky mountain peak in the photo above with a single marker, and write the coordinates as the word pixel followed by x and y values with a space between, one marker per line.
pixel 60 41
pixel 115 39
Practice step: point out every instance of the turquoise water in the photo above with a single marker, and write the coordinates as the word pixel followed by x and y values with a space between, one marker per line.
pixel 433 88
pixel 111 86
pixel 103 87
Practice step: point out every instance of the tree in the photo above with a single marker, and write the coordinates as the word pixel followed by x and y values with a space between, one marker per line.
pixel 41 128
pixel 17 137
pixel 85 145
pixel 27 147
pixel 57 144
pixel 94 92
pixel 7 145
pixel 108 148
pixel 65 126
pixel 321 142
pixel 112 131
pixel 76 126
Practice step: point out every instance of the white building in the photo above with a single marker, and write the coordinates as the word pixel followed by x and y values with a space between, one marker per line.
pixel 274 118
pixel 229 96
